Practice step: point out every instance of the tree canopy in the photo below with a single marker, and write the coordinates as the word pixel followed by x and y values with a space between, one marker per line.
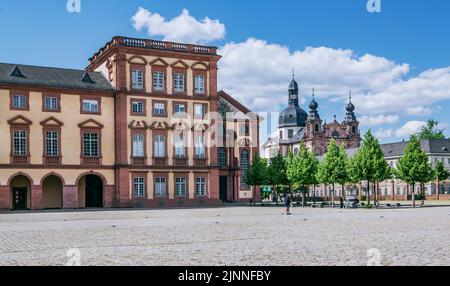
pixel 431 131
pixel 413 166
pixel 440 172
pixel 333 168
pixel 301 169
pixel 257 172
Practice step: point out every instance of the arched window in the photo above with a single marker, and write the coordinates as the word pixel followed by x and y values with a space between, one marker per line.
pixel 316 128
pixel 290 133
pixel 222 156
pixel 354 129
pixel 296 151
pixel 281 134
pixel 244 168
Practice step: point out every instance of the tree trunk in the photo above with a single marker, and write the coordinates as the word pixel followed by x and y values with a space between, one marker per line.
pixel 413 195
pixel 368 193
pixel 303 199
pixel 254 195
pixel 332 197
pixel 437 190
pixel 359 191
pixel 314 194
pixel 275 194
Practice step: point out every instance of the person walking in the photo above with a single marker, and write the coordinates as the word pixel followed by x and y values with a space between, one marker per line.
pixel 341 200
pixel 287 203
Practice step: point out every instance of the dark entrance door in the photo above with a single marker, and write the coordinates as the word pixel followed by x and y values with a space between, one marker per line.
pixel 19 198
pixel 94 192
pixel 223 189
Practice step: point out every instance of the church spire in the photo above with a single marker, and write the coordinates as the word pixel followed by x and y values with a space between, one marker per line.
pixel 293 91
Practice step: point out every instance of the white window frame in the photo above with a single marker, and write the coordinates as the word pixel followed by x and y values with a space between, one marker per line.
pixel 159 144
pixel 179 82
pixel 199 84
pixel 138 145
pixel 200 147
pixel 19 101
pixel 51 103
pixel 139 187
pixel 51 144
pixel 158 81
pixel 200 187
pixel 91 145
pixel 160 187
pixel 90 105
pixel 158 107
pixel 20 147
pixel 137 107
pixel 137 79
pixel 180 146
pixel 180 187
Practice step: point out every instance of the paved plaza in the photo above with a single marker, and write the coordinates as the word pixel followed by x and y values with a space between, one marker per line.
pixel 228 236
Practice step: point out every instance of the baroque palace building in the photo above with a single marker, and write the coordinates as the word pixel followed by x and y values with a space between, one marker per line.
pixel 142 126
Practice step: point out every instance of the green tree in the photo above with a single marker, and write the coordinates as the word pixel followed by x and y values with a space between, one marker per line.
pixel 440 174
pixel 257 174
pixel 368 163
pixel 333 168
pixel 431 131
pixel 413 166
pixel 301 170
pixel 276 174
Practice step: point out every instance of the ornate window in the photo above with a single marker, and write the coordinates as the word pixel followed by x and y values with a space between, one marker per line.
pixel 244 167
pixel 222 156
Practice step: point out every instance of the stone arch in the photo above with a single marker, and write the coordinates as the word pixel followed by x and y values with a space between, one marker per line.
pixel 53 174
pixel 20 174
pixel 52 191
pixel 104 181
pixel 20 191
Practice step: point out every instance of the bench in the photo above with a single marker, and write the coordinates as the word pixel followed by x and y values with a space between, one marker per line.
pixel 393 205
pixel 317 206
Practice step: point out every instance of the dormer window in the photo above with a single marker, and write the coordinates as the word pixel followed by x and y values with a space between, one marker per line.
pixel 17 73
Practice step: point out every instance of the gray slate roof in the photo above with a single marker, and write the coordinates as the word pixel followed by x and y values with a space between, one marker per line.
pixel 53 77
pixel 433 146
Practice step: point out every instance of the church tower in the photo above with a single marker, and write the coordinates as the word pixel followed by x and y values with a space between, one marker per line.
pixel 351 122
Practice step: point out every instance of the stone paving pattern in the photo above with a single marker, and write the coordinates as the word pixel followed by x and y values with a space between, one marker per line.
pixel 228 236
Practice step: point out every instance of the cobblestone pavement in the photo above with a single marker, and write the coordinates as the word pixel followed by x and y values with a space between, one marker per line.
pixel 228 236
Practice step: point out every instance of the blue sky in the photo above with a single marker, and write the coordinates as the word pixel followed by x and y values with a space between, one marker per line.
pixel 415 33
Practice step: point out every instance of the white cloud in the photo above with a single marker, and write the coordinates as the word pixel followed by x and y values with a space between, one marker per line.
pixel 258 73
pixel 414 96
pixel 383 133
pixel 183 28
pixel 409 128
pixel 378 120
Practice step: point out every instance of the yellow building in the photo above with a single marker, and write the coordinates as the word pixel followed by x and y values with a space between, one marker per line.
pixel 139 127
